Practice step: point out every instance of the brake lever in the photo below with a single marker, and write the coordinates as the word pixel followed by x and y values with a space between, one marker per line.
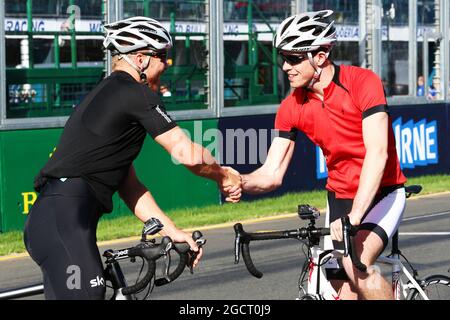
pixel 166 265
pixel 192 255
pixel 237 248
pixel 346 234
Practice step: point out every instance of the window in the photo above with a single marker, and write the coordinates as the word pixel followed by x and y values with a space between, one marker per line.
pixel 346 11
pixel 48 73
pixel 394 50
pixel 252 74
pixel 186 77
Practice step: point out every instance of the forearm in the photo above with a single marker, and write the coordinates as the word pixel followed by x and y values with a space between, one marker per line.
pixel 146 208
pixel 270 175
pixel 258 182
pixel 141 202
pixel 205 165
pixel 369 182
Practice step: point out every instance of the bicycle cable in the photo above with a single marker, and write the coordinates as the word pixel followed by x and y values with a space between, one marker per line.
pixel 150 289
pixel 139 275
pixel 415 273
pixel 301 278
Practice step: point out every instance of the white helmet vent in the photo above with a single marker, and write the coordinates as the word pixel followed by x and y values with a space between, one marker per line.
pixel 136 33
pixel 306 32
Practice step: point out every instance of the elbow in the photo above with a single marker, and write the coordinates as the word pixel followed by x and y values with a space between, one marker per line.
pixel 275 183
pixel 383 156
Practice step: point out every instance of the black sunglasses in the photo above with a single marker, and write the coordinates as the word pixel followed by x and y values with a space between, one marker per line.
pixel 160 55
pixel 293 59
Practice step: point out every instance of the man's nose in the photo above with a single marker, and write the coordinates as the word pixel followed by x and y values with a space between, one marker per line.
pixel 286 66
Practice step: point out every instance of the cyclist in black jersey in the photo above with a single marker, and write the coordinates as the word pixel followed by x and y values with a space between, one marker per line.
pixel 94 159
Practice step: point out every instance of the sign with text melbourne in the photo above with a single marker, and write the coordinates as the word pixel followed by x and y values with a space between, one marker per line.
pixel 416 142
pixel 422 135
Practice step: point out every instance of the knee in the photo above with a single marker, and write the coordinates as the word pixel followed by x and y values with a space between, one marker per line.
pixel 352 272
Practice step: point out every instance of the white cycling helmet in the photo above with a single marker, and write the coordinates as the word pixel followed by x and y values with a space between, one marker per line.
pixel 306 32
pixel 132 34
pixel 126 36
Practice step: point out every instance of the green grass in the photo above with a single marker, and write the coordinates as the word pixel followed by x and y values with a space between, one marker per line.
pixel 125 226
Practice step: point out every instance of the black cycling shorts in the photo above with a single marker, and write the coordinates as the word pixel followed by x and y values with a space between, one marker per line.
pixel 382 217
pixel 60 236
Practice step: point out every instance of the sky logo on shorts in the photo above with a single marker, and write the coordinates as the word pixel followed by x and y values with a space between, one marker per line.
pixel 416 143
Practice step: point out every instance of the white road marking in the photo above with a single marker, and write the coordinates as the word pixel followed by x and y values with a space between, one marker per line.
pixel 427 216
pixel 424 233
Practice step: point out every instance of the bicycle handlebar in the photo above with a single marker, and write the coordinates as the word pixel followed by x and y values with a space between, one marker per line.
pixel 187 257
pixel 151 253
pixel 243 239
pixel 349 232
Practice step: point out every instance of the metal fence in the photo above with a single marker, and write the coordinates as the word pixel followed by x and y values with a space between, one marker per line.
pixel 223 63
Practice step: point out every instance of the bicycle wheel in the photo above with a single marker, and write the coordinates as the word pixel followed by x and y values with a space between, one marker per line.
pixel 436 287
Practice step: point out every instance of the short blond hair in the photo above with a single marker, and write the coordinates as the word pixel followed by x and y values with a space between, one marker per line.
pixel 115 61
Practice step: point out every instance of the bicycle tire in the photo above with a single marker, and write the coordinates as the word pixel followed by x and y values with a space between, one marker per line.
pixel 436 287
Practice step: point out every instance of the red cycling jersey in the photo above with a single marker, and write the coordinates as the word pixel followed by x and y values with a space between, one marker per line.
pixel 335 125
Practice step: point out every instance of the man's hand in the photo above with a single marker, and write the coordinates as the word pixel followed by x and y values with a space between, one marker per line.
pixel 336 230
pixel 336 226
pixel 231 185
pixel 178 235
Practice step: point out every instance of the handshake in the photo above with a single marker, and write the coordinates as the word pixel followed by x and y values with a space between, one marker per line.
pixel 231 185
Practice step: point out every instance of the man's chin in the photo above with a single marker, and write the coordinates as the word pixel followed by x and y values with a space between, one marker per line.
pixel 295 85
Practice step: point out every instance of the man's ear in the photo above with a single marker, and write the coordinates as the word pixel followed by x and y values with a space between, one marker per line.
pixel 139 59
pixel 145 62
pixel 322 58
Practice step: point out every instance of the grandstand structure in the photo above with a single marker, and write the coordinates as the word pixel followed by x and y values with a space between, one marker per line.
pixel 224 75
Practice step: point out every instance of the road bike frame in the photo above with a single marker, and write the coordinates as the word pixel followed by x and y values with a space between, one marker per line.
pixel 320 262
pixel 320 288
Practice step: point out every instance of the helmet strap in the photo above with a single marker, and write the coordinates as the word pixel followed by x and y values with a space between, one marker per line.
pixel 141 72
pixel 317 70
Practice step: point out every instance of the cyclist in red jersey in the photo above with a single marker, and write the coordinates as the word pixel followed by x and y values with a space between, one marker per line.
pixel 342 109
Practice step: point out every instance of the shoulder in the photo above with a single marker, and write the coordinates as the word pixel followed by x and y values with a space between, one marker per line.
pixel 356 75
pixel 293 99
pixel 151 97
pixel 135 93
pixel 360 81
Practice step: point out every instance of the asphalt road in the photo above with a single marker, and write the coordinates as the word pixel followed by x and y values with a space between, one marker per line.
pixel 424 240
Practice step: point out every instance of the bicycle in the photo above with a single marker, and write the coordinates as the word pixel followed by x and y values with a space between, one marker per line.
pixel 149 251
pixel 320 263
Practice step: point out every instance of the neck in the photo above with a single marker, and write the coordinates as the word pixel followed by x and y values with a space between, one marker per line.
pixel 325 79
pixel 129 70
pixel 152 83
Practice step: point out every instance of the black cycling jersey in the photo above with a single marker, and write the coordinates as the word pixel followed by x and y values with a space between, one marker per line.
pixel 105 133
